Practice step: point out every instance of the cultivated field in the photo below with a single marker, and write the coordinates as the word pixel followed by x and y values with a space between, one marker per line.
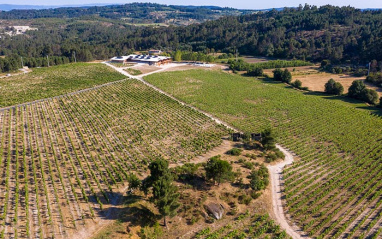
pixel 65 161
pixel 48 82
pixel 334 191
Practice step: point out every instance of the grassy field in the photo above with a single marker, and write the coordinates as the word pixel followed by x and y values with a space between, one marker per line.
pixel 335 189
pixel 57 80
pixel 66 160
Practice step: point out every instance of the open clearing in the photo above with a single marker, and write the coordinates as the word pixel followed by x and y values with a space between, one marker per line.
pixel 335 189
pixel 311 77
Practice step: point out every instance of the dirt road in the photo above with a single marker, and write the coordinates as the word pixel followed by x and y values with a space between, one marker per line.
pixel 276 181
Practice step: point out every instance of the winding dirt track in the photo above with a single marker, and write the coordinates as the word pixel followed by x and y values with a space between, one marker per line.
pixel 275 170
pixel 276 181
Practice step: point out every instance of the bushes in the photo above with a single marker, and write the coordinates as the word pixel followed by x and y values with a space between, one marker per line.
pixel 375 79
pixel 333 87
pixel 284 76
pixel 235 151
pixel 255 72
pixel 241 65
pixel 259 179
pixel 359 91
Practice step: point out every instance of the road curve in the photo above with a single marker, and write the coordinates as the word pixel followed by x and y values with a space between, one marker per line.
pixel 275 170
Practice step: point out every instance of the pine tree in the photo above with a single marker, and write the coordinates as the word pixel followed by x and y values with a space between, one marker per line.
pixel 164 194
pixel 165 197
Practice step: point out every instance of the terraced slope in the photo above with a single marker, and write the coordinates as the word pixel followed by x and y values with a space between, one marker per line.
pixel 334 191
pixel 65 160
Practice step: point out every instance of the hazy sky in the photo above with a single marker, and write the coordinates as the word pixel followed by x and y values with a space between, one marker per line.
pixel 248 4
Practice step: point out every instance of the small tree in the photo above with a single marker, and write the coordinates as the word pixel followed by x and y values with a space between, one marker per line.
pixel 370 96
pixel 359 91
pixel 333 87
pixel 356 89
pixel 218 170
pixel 286 76
pixel 255 72
pixel 178 56
pixel 267 139
pixel 259 179
pixel 278 74
pixel 297 84
pixel 134 182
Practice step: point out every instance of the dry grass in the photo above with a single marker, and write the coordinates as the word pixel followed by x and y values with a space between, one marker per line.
pixel 311 77
pixel 192 216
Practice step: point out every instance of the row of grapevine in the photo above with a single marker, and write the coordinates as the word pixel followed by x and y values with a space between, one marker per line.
pixel 64 160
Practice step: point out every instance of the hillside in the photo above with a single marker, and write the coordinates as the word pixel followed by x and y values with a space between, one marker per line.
pixel 344 35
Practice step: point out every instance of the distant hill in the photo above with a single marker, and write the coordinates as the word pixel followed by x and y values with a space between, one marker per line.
pixel 9 7
pixel 134 13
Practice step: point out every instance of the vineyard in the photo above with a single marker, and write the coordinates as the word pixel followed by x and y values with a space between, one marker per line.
pixel 334 190
pixel 245 226
pixel 57 80
pixel 65 160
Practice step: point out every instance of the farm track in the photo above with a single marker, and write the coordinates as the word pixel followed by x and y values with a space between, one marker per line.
pixel 275 171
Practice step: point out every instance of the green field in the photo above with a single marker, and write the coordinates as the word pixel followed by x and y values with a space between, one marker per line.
pixel 338 180
pixel 57 80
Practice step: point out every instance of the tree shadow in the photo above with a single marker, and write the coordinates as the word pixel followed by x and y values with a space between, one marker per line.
pixel 358 104
pixel 196 181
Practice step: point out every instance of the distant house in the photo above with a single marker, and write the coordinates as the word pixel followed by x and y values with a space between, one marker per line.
pixel 147 59
pixel 155 52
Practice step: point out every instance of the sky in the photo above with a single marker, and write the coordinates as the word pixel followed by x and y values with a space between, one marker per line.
pixel 242 4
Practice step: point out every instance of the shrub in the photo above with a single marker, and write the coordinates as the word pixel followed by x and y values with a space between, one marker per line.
pixel 333 87
pixel 359 91
pixel 255 72
pixel 287 76
pixel 297 84
pixel 235 151
pixel 259 178
pixel 278 74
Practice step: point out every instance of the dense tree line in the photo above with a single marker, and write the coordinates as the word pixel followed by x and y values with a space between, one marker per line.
pixel 345 34
pixel 139 12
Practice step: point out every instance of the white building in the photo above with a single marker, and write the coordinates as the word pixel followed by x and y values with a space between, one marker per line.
pixel 151 60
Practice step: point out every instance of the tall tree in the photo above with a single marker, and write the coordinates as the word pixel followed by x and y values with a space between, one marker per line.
pixel 164 194
pixel 268 139
pixel 218 170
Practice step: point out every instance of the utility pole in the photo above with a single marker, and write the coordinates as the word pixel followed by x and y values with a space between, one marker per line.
pixel 47 57
pixel 75 59
pixel 236 54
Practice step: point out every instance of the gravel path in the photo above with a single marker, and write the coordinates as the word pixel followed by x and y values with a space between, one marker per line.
pixel 276 182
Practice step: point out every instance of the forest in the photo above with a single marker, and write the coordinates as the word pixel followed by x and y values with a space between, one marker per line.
pixel 341 35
